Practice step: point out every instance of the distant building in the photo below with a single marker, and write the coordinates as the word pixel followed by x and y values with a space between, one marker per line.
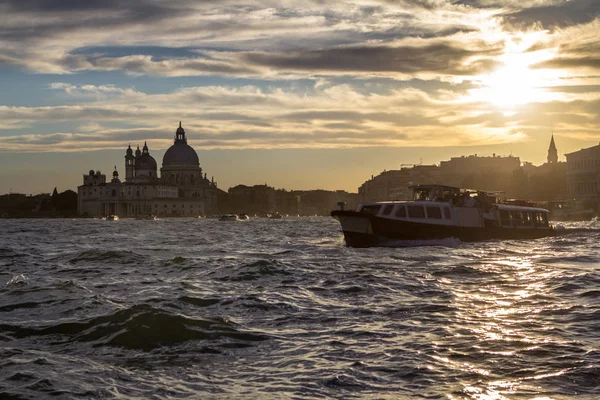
pixel 394 184
pixel 458 170
pixel 181 189
pixel 547 182
pixel 263 199
pixel 583 174
pixel 322 202
pixel 257 199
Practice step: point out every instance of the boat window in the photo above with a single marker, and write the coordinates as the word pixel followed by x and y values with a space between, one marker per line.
pixel 416 212
pixel 387 209
pixel 544 219
pixel 401 211
pixel 434 212
pixel 372 209
pixel 516 217
pixel 527 219
pixel 447 214
pixel 504 218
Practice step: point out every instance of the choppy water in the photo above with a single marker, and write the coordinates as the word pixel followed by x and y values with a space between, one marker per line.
pixel 280 309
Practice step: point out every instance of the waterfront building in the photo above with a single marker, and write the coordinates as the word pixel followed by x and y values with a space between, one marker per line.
pixel 547 182
pixel 583 175
pixel 180 190
pixel 476 170
pixel 257 199
pixel 388 185
pixel 394 184
pixel 321 202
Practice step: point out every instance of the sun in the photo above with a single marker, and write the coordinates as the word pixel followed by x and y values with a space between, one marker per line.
pixel 515 83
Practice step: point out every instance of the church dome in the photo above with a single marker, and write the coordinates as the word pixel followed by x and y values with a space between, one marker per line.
pixel 180 153
pixel 145 160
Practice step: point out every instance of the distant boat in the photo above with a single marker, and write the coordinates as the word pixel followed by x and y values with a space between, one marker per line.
pixel 275 216
pixel 243 217
pixel 228 217
pixel 112 218
pixel 570 210
pixel 148 217
pixel 439 212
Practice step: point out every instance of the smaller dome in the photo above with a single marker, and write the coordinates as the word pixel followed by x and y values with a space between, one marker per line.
pixel 129 151
pixel 145 161
pixel 138 152
pixel 91 172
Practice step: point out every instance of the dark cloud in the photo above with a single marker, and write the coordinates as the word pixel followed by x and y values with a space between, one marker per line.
pixel 575 53
pixel 76 15
pixel 440 58
pixel 570 63
pixel 425 4
pixel 62 5
pixel 563 14
pixel 574 89
pixel 141 64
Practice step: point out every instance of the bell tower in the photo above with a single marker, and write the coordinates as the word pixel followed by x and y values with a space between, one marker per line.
pixel 552 153
pixel 129 164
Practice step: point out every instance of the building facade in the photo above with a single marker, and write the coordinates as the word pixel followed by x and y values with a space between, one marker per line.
pixel 583 175
pixel 180 190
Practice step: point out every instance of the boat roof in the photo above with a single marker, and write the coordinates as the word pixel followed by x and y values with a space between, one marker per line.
pixel 507 207
pixel 454 189
pixel 433 185
pixel 510 207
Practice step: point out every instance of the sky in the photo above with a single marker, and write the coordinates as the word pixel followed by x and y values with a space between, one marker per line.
pixel 296 94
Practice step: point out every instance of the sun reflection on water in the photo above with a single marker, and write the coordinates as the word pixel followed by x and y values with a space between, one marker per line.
pixel 499 321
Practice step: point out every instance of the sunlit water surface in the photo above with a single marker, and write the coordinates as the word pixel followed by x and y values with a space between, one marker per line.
pixel 197 308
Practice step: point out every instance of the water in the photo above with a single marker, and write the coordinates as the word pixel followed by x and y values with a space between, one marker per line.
pixel 261 309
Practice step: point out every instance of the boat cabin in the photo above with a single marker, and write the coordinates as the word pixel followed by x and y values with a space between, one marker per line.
pixel 447 205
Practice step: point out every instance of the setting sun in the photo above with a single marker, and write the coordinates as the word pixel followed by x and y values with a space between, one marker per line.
pixel 516 82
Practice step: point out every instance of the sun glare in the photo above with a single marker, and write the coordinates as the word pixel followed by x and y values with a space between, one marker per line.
pixel 515 83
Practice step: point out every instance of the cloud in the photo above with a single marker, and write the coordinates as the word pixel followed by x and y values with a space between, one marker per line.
pixel 251 117
pixel 438 57
pixel 228 39
pixel 555 14
pixel 577 49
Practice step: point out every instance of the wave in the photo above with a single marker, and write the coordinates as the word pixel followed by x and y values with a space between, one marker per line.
pixel 142 327
pixel 123 257
pixel 253 271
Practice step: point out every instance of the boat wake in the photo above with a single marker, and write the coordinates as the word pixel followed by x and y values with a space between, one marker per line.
pixel 446 242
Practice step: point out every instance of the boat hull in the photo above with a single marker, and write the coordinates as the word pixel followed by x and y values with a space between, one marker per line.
pixel 366 230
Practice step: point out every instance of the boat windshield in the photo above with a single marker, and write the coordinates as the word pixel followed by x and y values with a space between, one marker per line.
pixel 371 208
pixel 434 193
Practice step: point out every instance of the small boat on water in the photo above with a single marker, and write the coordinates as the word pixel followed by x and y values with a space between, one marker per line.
pixel 112 218
pixel 275 216
pixel 228 217
pixel 243 217
pixel 439 212
pixel 148 217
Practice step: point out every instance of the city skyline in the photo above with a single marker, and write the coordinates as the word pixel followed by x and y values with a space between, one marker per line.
pixel 298 95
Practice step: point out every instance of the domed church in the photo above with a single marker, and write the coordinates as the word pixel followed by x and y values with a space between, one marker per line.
pixel 181 189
